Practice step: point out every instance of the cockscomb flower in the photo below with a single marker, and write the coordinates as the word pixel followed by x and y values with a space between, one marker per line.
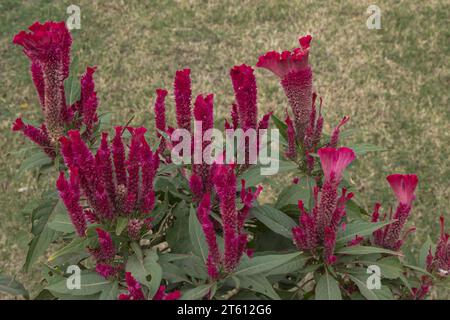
pixel 160 117
pixel 293 68
pixel 334 162
pixel 183 93
pixel 392 236
pixel 107 271
pixel 403 186
pixel 48 48
pixel 37 135
pixel 319 226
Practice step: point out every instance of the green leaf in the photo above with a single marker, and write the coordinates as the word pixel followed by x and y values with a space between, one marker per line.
pixel 294 265
pixel 122 223
pixel 360 250
pixel 361 283
pixel 111 292
pixel 360 228
pixel 36 160
pixel 258 283
pixel 197 293
pixel 77 244
pixel 274 219
pixel 91 283
pixel 293 193
pixel 327 288
pixel 43 235
pixel 262 264
pixel 421 270
pixel 38 246
pixel 72 84
pixel 390 267
pixel 424 250
pixel 198 241
pixel 61 223
pixel 281 126
pixel 11 286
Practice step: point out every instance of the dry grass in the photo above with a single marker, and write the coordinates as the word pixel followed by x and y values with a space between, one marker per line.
pixel 393 82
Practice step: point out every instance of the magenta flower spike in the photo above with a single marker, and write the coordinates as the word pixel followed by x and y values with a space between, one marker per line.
pixel 214 258
pixel 225 185
pixel 293 68
pixel 118 150
pixel 88 103
pixel 245 91
pixel 133 165
pixel 203 112
pixel 105 166
pixel 183 93
pixel 70 194
pixel 134 289
pixel 106 250
pixel 160 111
pixel 38 136
pixel 48 48
pixel 149 166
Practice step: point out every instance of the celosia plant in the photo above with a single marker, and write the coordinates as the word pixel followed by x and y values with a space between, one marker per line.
pixel 141 227
pixel 48 46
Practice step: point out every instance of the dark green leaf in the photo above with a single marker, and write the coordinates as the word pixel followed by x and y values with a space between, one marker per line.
pixel 11 286
pixel 274 219
pixel 327 288
pixel 198 241
pixel 263 264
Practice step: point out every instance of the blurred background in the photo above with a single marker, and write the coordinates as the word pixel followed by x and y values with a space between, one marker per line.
pixel 392 82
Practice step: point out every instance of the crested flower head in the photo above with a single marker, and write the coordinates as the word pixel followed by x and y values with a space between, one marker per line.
pixel 335 161
pixel 403 186
pixel 48 42
pixel 283 63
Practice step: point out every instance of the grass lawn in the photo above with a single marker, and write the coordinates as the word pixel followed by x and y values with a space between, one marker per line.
pixel 393 83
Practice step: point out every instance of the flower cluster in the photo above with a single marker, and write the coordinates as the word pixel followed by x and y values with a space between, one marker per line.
pixel 296 76
pixel 135 291
pixel 390 236
pixel 125 188
pixel 319 227
pixel 48 48
pixel 233 219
